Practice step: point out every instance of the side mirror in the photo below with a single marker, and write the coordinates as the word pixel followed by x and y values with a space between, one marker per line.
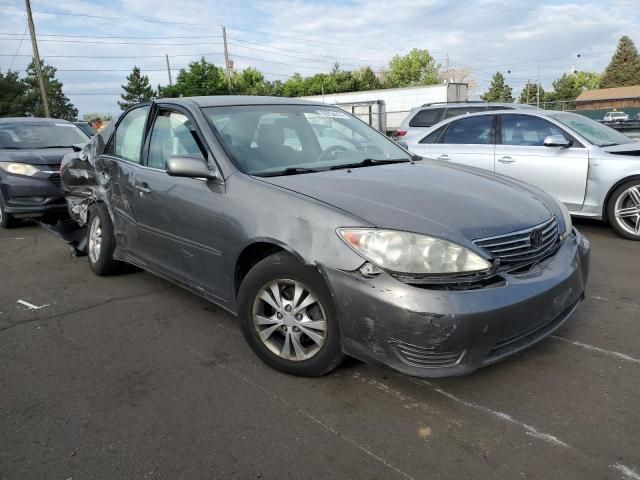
pixel 557 141
pixel 191 166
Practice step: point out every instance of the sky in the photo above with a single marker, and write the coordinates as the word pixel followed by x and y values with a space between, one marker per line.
pixel 522 39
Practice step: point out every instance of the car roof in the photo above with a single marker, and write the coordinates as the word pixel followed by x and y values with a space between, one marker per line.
pixel 28 120
pixel 233 100
pixel 477 103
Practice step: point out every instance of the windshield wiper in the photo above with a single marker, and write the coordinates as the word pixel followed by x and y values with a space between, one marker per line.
pixel 367 162
pixel 608 145
pixel 54 146
pixel 289 171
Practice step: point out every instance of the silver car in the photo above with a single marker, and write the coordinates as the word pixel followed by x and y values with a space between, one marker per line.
pixel 593 169
pixel 421 119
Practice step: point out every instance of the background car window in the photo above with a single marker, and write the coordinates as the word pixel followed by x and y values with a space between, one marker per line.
pixel 172 134
pixel 456 112
pixel 526 130
pixel 129 135
pixel 471 130
pixel 433 136
pixel 426 117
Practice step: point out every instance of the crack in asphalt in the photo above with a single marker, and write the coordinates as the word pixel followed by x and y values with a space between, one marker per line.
pixel 85 308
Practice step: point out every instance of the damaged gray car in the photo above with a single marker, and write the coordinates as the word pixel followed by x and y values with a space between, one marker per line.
pixel 324 237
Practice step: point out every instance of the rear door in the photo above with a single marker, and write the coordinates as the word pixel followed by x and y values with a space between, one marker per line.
pixel 520 153
pixel 180 220
pixel 469 140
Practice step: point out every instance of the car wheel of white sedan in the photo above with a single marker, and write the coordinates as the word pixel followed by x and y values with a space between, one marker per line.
pixel 288 318
pixel 624 210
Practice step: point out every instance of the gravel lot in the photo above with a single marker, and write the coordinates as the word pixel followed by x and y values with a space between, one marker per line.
pixel 132 377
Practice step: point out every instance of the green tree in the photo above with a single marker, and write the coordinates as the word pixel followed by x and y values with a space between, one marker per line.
pixel 366 79
pixel 293 86
pixel 569 86
pixel 59 105
pixel 136 90
pixel 201 78
pixel 416 68
pixel 249 81
pixel 498 91
pixel 624 68
pixel 12 95
pixel 529 93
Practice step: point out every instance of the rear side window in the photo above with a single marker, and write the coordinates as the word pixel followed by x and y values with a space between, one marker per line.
pixel 434 136
pixel 426 117
pixel 470 130
pixel 457 111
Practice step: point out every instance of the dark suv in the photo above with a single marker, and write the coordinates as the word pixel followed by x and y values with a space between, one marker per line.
pixel 31 150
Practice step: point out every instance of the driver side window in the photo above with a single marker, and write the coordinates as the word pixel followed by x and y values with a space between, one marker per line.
pixel 172 134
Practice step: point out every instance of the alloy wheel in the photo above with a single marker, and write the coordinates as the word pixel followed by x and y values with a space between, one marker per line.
pixel 290 320
pixel 627 210
pixel 95 239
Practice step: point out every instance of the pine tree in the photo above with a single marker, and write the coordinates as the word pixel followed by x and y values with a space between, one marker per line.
pixel 59 105
pixel 499 91
pixel 624 68
pixel 136 90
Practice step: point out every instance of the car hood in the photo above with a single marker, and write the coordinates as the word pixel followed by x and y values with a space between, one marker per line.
pixel 39 156
pixel 452 201
pixel 632 149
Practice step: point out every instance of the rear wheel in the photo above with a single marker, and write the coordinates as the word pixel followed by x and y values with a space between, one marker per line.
pixel 6 219
pixel 623 210
pixel 288 318
pixel 101 241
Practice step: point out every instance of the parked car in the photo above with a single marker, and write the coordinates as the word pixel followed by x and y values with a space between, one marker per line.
pixel 593 169
pixel 31 150
pixel 429 268
pixel 86 128
pixel 420 119
pixel 615 117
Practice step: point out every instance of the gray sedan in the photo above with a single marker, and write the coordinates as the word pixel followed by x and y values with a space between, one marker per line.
pixel 323 250
pixel 593 169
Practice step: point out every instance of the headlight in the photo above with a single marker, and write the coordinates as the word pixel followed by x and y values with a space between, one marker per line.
pixel 19 168
pixel 411 253
pixel 566 218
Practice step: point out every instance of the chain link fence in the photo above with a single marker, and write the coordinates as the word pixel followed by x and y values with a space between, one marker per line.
pixel 622 114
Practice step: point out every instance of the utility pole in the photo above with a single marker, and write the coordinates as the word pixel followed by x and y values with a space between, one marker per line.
pixel 538 94
pixel 166 55
pixel 226 57
pixel 446 80
pixel 36 59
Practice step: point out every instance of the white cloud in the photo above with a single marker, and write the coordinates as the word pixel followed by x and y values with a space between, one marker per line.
pixel 486 35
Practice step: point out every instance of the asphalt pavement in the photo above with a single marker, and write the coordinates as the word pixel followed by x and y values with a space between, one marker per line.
pixel 130 377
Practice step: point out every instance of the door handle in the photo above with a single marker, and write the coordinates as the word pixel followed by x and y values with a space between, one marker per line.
pixel 143 188
pixel 443 157
pixel 506 160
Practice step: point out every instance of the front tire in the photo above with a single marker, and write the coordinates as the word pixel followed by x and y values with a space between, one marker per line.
pixel 6 219
pixel 101 241
pixel 623 210
pixel 288 317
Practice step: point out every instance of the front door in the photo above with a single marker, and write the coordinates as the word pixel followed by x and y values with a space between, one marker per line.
pixel 520 153
pixel 180 219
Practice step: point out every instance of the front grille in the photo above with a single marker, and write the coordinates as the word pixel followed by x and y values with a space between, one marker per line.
pixel 524 247
pixel 55 179
pixel 425 357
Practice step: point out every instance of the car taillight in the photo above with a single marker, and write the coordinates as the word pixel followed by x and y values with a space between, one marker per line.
pixel 400 133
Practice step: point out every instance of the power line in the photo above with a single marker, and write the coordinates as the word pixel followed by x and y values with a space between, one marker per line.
pixel 97 42
pixel 26 27
pixel 123 56
pixel 114 36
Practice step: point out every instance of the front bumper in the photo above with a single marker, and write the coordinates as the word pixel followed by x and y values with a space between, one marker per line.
pixel 32 196
pixel 434 333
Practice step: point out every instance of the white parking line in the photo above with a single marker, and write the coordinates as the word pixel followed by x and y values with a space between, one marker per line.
pixel 610 353
pixel 627 472
pixel 534 432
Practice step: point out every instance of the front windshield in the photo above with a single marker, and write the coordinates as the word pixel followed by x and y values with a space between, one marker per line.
pixel 594 132
pixel 284 139
pixel 25 136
